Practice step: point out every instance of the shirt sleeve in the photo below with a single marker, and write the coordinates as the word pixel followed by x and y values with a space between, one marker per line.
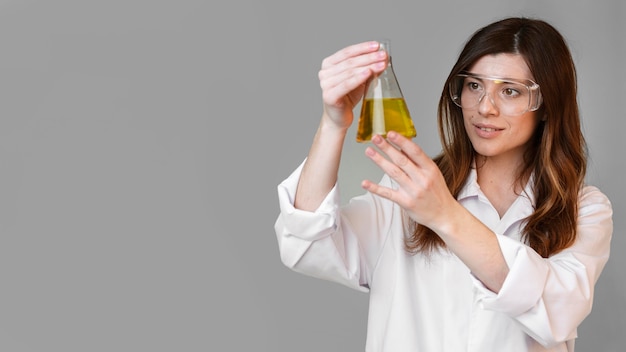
pixel 550 297
pixel 335 243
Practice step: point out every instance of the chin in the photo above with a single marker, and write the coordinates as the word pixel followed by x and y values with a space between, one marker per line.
pixel 486 152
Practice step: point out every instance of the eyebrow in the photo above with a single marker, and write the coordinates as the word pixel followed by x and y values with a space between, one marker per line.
pixel 501 79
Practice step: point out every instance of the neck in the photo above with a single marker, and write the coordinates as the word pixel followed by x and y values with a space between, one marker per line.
pixel 500 173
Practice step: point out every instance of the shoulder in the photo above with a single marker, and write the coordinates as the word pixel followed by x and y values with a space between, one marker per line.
pixel 593 203
pixel 590 194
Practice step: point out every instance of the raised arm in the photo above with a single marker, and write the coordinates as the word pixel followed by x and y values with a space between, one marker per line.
pixel 343 77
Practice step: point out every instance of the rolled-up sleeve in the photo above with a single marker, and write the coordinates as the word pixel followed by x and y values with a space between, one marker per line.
pixel 296 229
pixel 550 297
pixel 335 243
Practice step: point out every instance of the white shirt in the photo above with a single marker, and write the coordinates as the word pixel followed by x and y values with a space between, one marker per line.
pixel 435 304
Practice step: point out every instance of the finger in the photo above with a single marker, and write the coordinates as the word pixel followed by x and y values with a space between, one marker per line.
pixel 397 157
pixel 350 51
pixel 396 172
pixel 363 60
pixel 363 65
pixel 381 191
pixel 410 149
pixel 336 90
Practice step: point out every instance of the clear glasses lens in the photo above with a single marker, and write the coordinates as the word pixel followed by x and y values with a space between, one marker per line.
pixel 510 97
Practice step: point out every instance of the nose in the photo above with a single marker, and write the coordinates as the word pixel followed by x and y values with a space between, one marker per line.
pixel 487 106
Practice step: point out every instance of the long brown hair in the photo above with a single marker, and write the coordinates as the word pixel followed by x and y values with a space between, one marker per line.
pixel 557 154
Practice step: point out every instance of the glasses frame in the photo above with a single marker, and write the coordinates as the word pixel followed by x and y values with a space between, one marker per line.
pixel 534 93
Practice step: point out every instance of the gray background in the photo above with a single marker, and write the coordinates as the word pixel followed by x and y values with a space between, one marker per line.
pixel 141 143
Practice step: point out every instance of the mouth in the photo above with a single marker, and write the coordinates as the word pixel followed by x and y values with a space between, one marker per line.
pixel 489 129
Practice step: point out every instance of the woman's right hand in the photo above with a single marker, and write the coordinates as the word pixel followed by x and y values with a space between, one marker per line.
pixel 343 78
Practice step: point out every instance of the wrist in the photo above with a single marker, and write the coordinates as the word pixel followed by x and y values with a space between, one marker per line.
pixel 452 222
pixel 330 128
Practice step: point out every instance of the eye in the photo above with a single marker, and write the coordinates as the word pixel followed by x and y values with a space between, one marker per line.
pixel 473 86
pixel 510 92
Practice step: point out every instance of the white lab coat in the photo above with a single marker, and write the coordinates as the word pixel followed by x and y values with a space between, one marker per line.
pixel 435 304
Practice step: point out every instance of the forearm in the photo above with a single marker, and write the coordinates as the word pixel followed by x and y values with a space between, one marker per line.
pixel 319 173
pixel 476 245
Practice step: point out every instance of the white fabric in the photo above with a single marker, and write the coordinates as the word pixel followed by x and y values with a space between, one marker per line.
pixel 435 305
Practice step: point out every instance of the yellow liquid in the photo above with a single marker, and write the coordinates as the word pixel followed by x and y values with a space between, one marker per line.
pixel 379 116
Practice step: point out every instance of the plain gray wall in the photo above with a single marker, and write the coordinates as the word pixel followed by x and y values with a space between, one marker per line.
pixel 141 142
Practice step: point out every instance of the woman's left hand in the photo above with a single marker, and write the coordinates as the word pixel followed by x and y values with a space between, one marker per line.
pixel 423 193
pixel 422 190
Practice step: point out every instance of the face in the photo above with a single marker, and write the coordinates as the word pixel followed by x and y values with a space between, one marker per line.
pixel 493 133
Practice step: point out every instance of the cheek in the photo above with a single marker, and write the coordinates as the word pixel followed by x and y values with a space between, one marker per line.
pixel 523 129
pixel 467 120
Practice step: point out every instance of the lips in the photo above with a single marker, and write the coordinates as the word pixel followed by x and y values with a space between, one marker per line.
pixel 487 128
pixel 487 131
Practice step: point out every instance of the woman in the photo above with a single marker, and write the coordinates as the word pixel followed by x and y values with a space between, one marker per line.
pixel 495 244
